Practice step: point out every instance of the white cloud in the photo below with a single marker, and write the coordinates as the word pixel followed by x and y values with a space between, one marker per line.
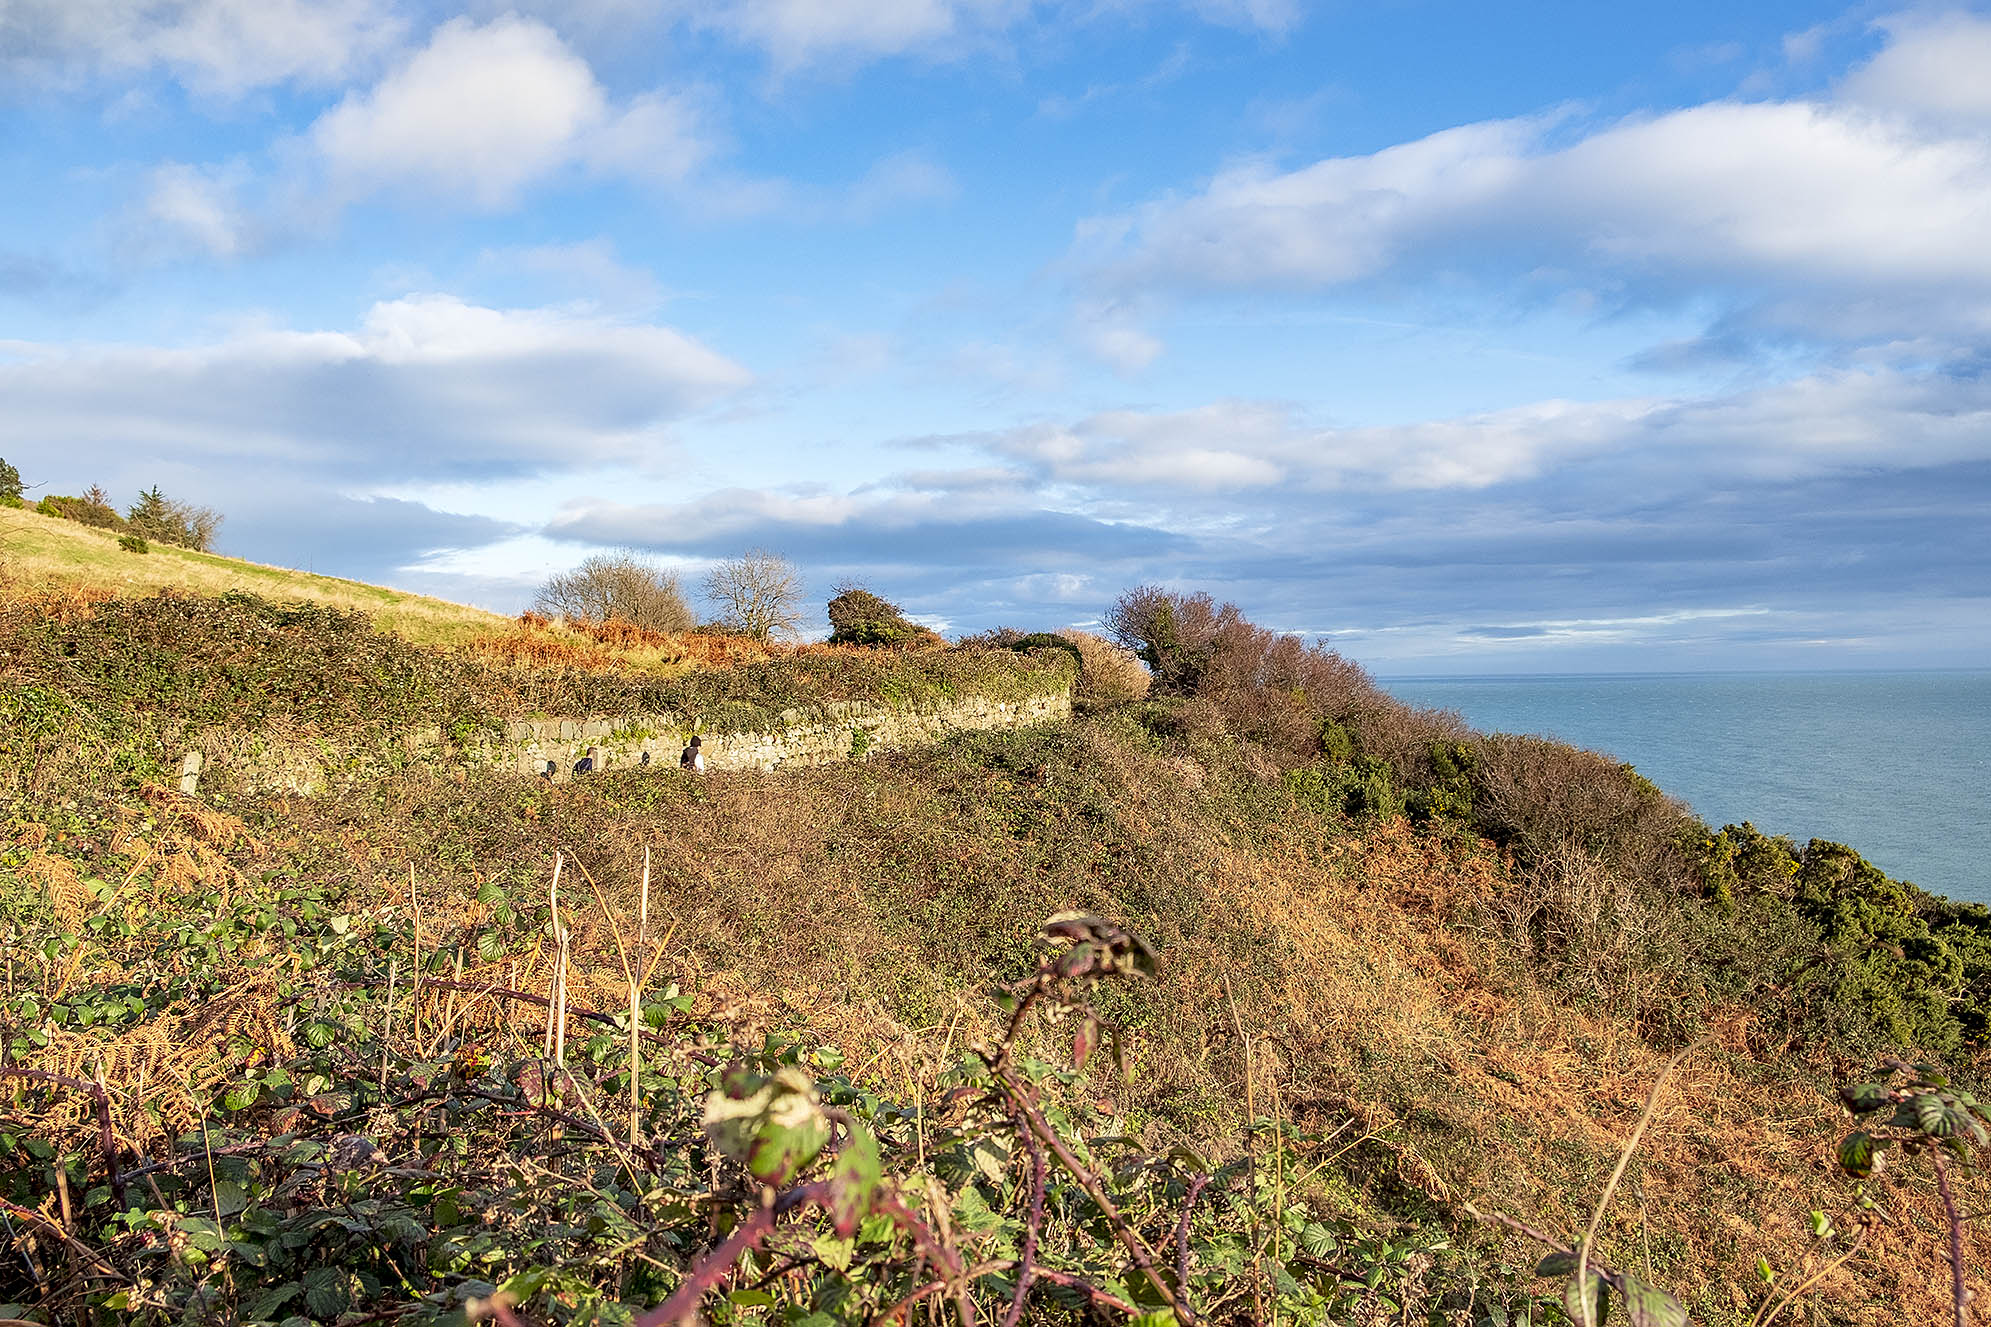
pixel 798 34
pixel 221 47
pixel 1936 66
pixel 590 271
pixel 188 208
pixel 1849 217
pixel 1275 16
pixel 426 387
pixel 905 177
pixel 481 113
pixel 1821 424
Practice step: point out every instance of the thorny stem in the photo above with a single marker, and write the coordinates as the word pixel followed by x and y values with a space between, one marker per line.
pixel 1959 1295
pixel 1196 1184
pixel 1032 1224
pixel 101 1104
pixel 682 1306
pixel 1089 1181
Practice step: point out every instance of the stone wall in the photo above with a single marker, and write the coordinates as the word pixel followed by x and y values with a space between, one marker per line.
pixel 838 730
pixel 817 735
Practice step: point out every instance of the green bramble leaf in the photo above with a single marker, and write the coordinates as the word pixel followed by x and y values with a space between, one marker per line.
pixel 1861 1098
pixel 1590 1288
pixel 1856 1153
pixel 854 1183
pixel 773 1126
pixel 1648 1306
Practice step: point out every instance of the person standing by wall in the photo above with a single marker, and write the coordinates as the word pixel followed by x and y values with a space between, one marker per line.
pixel 693 758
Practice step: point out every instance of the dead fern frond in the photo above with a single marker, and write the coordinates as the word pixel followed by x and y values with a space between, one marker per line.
pixel 156 1064
pixel 59 881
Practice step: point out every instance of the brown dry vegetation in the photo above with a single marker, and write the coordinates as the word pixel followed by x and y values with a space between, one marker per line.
pixel 1372 972
pixel 1468 1022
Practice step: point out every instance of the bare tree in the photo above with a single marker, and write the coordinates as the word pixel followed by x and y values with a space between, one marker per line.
pixel 623 585
pixel 758 592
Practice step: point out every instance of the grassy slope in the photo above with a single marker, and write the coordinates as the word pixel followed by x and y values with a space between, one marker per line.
pixel 876 905
pixel 48 550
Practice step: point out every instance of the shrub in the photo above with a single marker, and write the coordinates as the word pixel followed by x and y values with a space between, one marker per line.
pixel 623 586
pixel 93 509
pixel 859 617
pixel 1108 674
pixel 1272 687
pixel 132 543
pixel 169 521
pixel 10 484
pixel 1175 635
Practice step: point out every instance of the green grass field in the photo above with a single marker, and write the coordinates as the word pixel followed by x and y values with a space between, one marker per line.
pixel 47 550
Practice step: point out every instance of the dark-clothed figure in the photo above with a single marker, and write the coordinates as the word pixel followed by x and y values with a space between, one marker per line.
pixel 693 759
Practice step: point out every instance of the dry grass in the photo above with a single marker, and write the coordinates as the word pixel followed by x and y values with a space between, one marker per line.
pixel 1483 1088
pixel 614 646
pixel 1108 673
pixel 1371 996
pixel 38 553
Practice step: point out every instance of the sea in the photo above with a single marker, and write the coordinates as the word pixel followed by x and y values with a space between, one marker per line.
pixel 1896 765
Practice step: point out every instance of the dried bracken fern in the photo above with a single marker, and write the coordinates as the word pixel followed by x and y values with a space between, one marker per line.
pixel 167 1063
pixel 215 828
pixel 58 880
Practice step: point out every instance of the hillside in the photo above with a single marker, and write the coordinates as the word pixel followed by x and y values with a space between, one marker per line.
pixel 1403 974
pixel 40 550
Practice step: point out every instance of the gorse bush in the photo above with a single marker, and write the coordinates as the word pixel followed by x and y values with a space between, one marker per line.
pixel 132 543
pixel 93 508
pixel 859 617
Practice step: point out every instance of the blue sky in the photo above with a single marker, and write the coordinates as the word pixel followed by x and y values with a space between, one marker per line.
pixel 1559 337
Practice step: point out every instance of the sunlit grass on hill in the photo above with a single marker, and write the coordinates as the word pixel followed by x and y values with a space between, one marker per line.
pixel 40 550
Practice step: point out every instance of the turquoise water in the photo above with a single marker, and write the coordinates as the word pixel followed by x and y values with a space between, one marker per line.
pixel 1897 765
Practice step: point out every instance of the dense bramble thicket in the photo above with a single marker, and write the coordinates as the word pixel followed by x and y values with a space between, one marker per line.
pixel 1405 972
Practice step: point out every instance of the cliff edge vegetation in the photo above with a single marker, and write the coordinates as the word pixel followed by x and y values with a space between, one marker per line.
pixel 1259 998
